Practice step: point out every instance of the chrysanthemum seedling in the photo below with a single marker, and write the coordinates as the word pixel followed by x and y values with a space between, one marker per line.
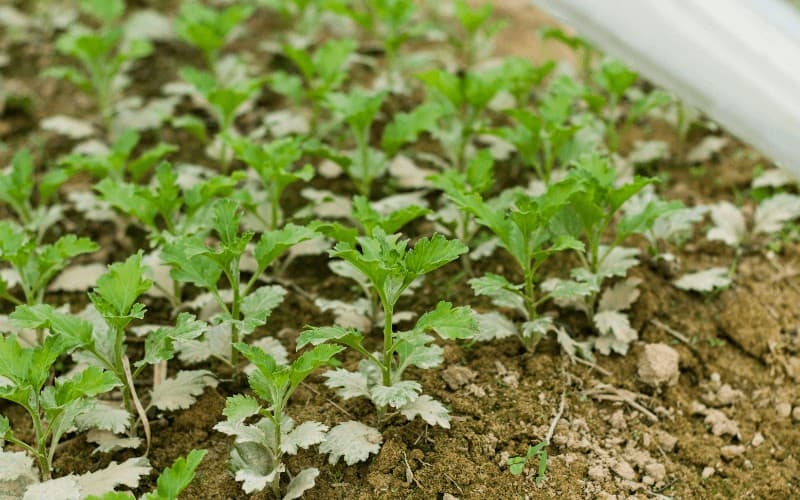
pixel 473 37
pixel 548 138
pixel 274 163
pixel 460 103
pixel 118 164
pixel 391 267
pixel 321 72
pixel 195 261
pixel 53 406
pixel 529 232
pixel 367 220
pixel 101 342
pixel 209 29
pixel 391 23
pixel 103 54
pixel 28 197
pixel 616 80
pixel 593 209
pixel 358 110
pixel 225 100
pixel 35 265
pixel 259 448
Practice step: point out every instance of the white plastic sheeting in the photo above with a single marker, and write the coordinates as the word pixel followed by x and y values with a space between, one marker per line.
pixel 736 60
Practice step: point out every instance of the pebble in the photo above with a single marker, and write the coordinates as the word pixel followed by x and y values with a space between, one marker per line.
pixel 656 470
pixel 707 472
pixel 666 440
pixel 457 376
pixel 731 451
pixel 758 440
pixel 598 473
pixel 727 395
pixel 796 414
pixel 783 409
pixel 617 420
pixel 624 470
pixel 658 365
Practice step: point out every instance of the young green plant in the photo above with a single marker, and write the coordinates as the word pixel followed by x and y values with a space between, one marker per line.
pixel 391 267
pixel 53 405
pixel 257 457
pixel 527 230
pixel 28 197
pixel 209 29
pixel 194 261
pixel 103 54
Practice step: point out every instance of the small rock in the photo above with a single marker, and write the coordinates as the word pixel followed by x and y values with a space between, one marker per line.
pixel 796 414
pixel 758 440
pixel 649 481
pixel 617 420
pixel 598 473
pixel 656 470
pixel 624 470
pixel 666 440
pixel 457 376
pixel 783 409
pixel 727 395
pixel 721 424
pixel 707 472
pixel 658 365
pixel 748 465
pixel 731 451
pixel 448 496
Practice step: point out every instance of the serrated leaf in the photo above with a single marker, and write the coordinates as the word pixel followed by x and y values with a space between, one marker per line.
pixel 258 305
pixel 107 441
pixel 428 409
pixel 104 416
pixel 303 436
pixel 318 335
pixel 500 290
pixel 448 322
pixel 16 464
pixel 181 391
pixel 432 253
pixel 273 243
pixel 174 479
pixel 63 488
pixel 493 325
pixel 239 407
pixel 620 296
pixel 616 332
pixel 351 440
pixel 773 213
pixel 617 261
pixel 347 384
pixel 254 465
pixel 396 395
pixel 300 483
pixel 127 474
pixel 729 224
pixel 704 281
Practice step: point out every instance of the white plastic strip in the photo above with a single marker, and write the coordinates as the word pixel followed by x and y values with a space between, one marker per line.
pixel 736 60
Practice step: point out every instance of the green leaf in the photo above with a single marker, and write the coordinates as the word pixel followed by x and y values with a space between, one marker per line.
pixel 273 243
pixel 16 187
pixel 5 428
pixel 105 11
pixel 117 290
pixel 258 305
pixel 321 334
pixel 176 478
pixel 432 253
pixel 615 77
pixel 239 408
pixel 502 292
pixel 88 383
pixel 190 262
pixel 309 361
pixel 449 322
pixel 159 345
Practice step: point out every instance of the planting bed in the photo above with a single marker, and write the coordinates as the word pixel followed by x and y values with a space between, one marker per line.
pixel 704 404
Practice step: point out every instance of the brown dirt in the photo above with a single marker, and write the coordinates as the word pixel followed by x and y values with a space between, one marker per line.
pixel 748 335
